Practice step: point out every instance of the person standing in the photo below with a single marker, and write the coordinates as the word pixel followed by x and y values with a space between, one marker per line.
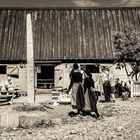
pixel 77 94
pixel 113 90
pixel 118 87
pixel 90 95
pixel 106 76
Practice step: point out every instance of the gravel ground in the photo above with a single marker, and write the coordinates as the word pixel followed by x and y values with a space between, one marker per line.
pixel 120 121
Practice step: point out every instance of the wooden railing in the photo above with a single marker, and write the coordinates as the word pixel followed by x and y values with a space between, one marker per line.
pixel 45 83
pixel 135 88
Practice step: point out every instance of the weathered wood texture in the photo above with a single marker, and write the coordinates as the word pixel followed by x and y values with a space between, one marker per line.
pixel 61 34
pixel 12 35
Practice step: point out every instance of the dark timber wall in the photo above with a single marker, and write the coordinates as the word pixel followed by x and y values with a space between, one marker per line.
pixel 65 34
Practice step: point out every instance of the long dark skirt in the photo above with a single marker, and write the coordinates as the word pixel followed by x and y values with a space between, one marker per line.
pixel 77 96
pixel 90 100
pixel 107 91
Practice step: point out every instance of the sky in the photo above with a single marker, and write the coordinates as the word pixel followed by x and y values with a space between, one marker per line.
pixel 69 3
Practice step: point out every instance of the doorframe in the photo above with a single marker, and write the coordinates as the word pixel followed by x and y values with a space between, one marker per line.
pixel 44 63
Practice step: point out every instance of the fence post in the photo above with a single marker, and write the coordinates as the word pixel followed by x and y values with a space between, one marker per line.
pixel 132 85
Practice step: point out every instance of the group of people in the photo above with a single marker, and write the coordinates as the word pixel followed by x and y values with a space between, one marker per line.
pixel 8 84
pixel 122 89
pixel 113 87
pixel 83 95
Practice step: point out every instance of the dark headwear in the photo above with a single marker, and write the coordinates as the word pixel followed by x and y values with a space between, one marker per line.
pixel 75 66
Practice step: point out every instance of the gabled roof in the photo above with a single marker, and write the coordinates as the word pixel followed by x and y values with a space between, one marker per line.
pixel 65 34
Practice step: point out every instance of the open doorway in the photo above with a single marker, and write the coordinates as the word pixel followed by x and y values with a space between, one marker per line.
pixel 45 77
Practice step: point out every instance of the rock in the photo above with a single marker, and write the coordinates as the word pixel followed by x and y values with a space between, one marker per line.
pixel 55 104
pixel 14 129
pixel 119 128
pixel 30 121
pixel 56 121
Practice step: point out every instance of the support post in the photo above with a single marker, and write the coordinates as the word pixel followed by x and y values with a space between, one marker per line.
pixel 30 61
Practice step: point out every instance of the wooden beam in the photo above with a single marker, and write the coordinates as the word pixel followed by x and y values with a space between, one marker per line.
pixel 30 62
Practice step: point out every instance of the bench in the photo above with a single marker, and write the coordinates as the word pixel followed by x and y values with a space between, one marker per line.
pixel 15 93
pixel 7 96
pixel 9 92
pixel 5 99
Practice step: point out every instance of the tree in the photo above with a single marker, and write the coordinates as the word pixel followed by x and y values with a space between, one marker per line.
pixel 127 46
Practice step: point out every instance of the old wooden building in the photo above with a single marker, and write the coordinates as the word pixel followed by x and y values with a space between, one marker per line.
pixel 61 36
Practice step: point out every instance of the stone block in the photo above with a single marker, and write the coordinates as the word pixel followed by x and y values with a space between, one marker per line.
pixel 9 120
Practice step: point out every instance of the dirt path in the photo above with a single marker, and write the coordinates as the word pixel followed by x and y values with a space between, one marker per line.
pixel 120 121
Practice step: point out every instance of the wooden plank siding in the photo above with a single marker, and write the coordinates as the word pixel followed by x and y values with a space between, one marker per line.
pixel 65 34
pixel 12 35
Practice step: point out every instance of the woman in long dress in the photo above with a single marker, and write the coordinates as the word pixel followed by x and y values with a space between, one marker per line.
pixel 77 94
pixel 90 95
